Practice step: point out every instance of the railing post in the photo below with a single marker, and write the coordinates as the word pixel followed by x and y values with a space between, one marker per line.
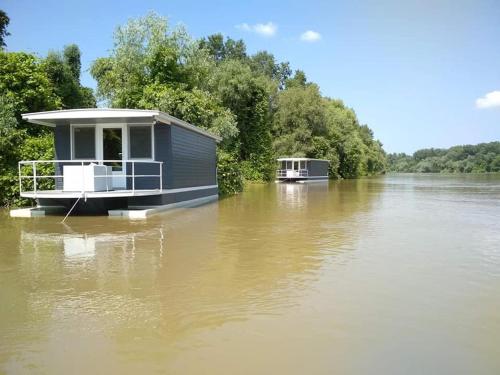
pixel 20 179
pixel 83 178
pixel 133 177
pixel 34 176
pixel 161 175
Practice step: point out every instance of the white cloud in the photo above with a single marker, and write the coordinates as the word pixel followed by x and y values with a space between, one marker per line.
pixel 310 36
pixel 264 29
pixel 491 99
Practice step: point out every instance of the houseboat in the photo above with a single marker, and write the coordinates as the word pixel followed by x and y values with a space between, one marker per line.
pixel 301 170
pixel 124 162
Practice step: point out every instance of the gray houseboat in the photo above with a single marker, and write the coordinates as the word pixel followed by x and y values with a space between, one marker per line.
pixel 121 161
pixel 302 170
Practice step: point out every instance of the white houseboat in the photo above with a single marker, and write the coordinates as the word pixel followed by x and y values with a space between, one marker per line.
pixel 301 170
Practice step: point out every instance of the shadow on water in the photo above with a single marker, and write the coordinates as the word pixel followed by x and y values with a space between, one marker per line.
pixel 139 289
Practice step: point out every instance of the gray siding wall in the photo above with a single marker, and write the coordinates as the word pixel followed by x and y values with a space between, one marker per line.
pixel 163 151
pixel 62 145
pixel 144 169
pixel 157 200
pixel 189 157
pixel 317 168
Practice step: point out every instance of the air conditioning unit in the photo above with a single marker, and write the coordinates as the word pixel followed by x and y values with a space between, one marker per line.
pixel 91 177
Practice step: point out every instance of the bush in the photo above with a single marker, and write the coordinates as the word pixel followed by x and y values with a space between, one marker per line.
pixel 229 174
pixel 17 146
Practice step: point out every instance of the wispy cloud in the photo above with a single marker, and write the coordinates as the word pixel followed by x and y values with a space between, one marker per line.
pixel 264 29
pixel 310 36
pixel 491 99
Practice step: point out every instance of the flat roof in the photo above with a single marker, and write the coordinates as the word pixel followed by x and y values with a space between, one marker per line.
pixel 52 118
pixel 300 159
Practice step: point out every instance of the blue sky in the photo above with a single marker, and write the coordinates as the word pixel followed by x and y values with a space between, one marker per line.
pixel 412 70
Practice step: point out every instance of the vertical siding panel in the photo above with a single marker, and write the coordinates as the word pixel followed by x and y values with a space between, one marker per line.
pixel 62 147
pixel 193 161
pixel 318 168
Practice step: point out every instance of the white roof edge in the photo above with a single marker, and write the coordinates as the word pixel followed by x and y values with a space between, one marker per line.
pixel 299 159
pixel 43 118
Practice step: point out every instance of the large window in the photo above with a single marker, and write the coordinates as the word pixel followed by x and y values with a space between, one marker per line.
pixel 140 141
pixel 84 142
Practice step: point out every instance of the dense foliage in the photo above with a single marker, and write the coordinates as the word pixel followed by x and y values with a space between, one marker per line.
pixel 484 157
pixel 251 101
pixel 30 84
pixel 259 107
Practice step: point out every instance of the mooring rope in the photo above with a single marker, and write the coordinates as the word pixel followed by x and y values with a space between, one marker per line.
pixel 71 209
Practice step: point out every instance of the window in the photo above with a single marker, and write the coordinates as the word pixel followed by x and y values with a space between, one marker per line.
pixel 84 142
pixel 140 141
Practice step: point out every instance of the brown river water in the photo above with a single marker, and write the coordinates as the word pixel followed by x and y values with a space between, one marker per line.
pixel 392 275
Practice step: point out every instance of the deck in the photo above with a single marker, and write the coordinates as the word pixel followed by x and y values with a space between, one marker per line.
pixel 55 194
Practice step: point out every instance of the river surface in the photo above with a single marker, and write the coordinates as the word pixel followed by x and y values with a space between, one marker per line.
pixel 392 275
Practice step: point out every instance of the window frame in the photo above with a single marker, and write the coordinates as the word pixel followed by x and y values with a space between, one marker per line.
pixel 129 145
pixel 72 140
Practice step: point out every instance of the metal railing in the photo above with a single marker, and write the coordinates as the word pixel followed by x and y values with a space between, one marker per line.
pixel 29 170
pixel 292 173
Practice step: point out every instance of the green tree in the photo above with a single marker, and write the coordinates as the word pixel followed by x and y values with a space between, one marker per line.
pixel 299 116
pixel 253 102
pixel 4 22
pixel 63 70
pixel 263 63
pixel 221 50
pixel 24 82
pixel 478 158
pixel 72 59
pixel 298 80
pixel 197 107
pixel 247 96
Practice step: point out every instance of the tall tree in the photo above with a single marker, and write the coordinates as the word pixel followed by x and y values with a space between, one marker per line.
pixel 72 58
pixel 63 70
pixel 223 50
pixel 4 22
pixel 24 81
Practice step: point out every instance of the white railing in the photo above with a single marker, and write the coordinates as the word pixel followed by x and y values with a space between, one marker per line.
pixel 29 170
pixel 292 173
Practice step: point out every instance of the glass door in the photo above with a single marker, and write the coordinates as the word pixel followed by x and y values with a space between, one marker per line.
pixel 112 149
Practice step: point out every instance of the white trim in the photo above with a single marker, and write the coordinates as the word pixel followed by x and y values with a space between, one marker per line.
pixel 313 181
pixel 117 182
pixel 50 118
pixel 87 113
pixel 57 194
pixel 182 190
pixel 302 178
pixel 132 213
pixel 300 159
pixel 72 140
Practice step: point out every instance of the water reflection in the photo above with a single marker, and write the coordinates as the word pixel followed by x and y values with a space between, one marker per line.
pixel 143 290
pixel 296 194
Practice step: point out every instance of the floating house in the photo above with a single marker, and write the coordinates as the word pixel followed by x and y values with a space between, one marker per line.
pixel 301 170
pixel 125 162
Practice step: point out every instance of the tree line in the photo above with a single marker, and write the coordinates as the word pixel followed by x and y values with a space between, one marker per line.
pixel 259 106
pixel 480 158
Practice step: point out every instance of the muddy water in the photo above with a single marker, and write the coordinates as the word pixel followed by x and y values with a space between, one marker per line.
pixel 398 274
